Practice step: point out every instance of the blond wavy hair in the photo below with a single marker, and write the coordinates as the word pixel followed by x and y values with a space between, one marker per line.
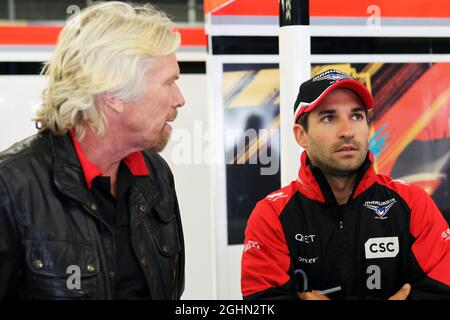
pixel 105 48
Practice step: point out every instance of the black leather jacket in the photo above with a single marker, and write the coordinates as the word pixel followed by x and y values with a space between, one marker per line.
pixel 49 221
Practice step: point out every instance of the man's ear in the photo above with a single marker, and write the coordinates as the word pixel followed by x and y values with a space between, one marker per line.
pixel 110 102
pixel 301 136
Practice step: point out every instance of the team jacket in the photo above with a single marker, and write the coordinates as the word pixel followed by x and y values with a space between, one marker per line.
pixel 389 233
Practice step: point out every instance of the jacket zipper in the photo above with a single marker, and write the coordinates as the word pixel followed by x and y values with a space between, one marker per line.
pixel 340 215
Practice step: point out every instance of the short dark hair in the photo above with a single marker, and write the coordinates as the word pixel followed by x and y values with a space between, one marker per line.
pixel 303 119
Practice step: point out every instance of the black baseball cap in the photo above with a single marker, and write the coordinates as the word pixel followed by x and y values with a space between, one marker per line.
pixel 312 92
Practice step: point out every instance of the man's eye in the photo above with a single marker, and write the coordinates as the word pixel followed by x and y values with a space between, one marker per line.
pixel 327 119
pixel 358 116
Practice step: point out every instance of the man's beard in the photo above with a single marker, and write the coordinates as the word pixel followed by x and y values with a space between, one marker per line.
pixel 340 169
pixel 336 169
pixel 162 142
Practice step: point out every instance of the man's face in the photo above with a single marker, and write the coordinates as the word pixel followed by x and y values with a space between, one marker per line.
pixel 338 134
pixel 147 120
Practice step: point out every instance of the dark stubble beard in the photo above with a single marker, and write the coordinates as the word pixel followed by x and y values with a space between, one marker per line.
pixel 333 168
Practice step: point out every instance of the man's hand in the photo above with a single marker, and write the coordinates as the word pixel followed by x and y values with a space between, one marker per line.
pixel 403 293
pixel 314 295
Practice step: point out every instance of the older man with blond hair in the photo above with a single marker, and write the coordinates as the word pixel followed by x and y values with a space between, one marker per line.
pixel 88 208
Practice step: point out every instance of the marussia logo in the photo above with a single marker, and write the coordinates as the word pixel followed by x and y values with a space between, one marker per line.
pixel 251 245
pixel 331 75
pixel 380 208
pixel 275 196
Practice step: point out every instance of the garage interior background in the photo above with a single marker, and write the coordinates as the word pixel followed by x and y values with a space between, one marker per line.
pixel 232 126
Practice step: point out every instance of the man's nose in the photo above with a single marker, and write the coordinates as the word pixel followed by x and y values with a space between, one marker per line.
pixel 346 129
pixel 179 99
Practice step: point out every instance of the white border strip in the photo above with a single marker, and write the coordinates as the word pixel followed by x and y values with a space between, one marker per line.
pixel 380 31
pixel 26 55
pixel 30 54
pixel 191 56
pixel 333 31
pixel 340 58
pixel 387 58
pixel 214 76
pixel 40 56
pixel 242 30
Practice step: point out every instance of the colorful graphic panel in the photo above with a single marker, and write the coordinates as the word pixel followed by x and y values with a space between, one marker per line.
pixel 251 122
pixel 410 129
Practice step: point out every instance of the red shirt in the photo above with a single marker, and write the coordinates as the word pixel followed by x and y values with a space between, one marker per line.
pixel 135 162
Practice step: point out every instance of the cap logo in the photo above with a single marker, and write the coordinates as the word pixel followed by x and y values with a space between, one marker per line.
pixel 331 75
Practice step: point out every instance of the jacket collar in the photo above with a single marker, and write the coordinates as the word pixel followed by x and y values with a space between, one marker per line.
pixel 67 173
pixel 313 184
pixel 69 179
pixel 135 162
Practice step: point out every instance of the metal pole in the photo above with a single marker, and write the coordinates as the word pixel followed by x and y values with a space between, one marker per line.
pixel 192 14
pixel 11 10
pixel 295 67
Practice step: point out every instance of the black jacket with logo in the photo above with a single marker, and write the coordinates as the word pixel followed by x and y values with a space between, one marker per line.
pixel 50 222
pixel 389 233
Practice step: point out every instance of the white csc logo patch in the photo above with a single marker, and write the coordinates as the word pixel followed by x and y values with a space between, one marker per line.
pixel 381 247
